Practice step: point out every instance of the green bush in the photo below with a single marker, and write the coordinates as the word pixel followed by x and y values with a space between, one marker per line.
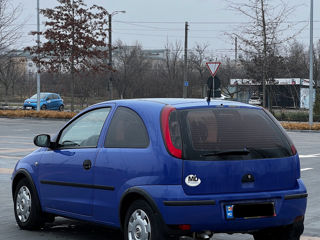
pixel 296 116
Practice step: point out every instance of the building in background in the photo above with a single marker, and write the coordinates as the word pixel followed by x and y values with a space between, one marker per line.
pixel 281 92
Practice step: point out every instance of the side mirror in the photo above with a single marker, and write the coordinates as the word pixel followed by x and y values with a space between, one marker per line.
pixel 42 140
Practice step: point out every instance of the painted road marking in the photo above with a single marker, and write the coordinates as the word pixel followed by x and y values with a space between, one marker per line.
pixel 10 157
pixel 310 155
pixel 16 142
pixel 309 238
pixel 16 150
pixel 15 137
pixel 6 171
pixel 306 169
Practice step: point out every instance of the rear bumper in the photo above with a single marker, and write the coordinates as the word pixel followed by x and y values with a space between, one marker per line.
pixel 207 212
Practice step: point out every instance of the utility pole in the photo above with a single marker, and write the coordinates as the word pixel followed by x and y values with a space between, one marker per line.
pixel 110 56
pixel 236 49
pixel 311 67
pixel 185 75
pixel 110 49
pixel 38 65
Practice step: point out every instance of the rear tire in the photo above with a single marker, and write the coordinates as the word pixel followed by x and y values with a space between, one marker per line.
pixel 61 108
pixel 141 223
pixel 27 209
pixel 289 232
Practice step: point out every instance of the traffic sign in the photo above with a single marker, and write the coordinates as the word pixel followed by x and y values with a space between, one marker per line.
pixel 213 67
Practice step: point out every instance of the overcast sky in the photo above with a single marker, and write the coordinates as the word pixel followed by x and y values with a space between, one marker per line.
pixel 153 23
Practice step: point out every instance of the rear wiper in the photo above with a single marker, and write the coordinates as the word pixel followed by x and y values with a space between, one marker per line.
pixel 244 151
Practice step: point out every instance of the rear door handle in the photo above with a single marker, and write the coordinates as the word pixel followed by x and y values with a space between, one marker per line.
pixel 86 164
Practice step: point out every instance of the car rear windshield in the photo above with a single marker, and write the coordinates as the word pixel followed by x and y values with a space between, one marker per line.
pixel 231 134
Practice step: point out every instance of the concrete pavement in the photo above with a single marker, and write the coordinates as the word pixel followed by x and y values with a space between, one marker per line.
pixel 16 141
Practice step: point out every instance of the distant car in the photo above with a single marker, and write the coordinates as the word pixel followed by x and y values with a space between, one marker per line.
pixel 255 100
pixel 159 167
pixel 48 101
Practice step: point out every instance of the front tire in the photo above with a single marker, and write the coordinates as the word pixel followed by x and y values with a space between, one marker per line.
pixel 27 208
pixel 44 107
pixel 290 232
pixel 61 108
pixel 141 223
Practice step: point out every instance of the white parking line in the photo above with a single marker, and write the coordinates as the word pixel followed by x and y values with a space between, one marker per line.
pixel 6 171
pixel 16 150
pixel 306 169
pixel 9 157
pixel 309 238
pixel 310 155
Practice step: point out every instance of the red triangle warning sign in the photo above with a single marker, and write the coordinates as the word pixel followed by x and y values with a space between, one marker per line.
pixel 213 67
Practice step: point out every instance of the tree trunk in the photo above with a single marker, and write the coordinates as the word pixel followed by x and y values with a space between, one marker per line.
pixel 264 55
pixel 72 87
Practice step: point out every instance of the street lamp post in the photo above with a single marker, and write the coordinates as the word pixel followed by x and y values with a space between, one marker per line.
pixel 311 67
pixel 38 66
pixel 110 48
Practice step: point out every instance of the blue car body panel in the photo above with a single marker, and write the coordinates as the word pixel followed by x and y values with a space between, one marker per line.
pixel 162 177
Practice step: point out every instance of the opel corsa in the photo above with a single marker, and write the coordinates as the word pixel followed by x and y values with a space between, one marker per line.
pixel 163 168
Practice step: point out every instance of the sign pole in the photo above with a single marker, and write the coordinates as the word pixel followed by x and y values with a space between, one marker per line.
pixel 213 68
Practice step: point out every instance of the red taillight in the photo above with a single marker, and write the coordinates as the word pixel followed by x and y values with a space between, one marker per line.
pixel 184 227
pixel 165 114
pixel 293 149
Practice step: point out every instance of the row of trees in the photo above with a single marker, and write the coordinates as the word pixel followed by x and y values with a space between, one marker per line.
pixel 140 75
pixel 73 55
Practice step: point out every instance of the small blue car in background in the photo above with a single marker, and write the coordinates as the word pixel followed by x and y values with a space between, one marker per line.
pixel 48 101
pixel 166 168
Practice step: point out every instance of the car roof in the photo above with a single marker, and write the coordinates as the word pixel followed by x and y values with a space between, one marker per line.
pixel 49 93
pixel 180 103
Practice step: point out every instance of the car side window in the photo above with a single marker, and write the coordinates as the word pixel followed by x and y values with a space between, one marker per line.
pixel 84 132
pixel 127 130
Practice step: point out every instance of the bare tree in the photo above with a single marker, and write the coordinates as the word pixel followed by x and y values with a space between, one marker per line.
pixel 9 28
pixel 197 62
pixel 297 61
pixel 264 32
pixel 172 70
pixel 75 39
pixel 131 66
pixel 11 71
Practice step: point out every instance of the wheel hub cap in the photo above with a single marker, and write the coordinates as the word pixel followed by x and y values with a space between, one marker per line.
pixel 139 227
pixel 23 204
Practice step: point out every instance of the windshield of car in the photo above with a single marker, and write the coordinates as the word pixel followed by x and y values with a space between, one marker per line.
pixel 231 134
pixel 42 96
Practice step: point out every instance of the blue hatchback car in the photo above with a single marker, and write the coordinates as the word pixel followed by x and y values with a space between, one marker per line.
pixel 48 101
pixel 163 168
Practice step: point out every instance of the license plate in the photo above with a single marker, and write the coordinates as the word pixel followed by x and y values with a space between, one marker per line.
pixel 28 108
pixel 229 212
pixel 250 210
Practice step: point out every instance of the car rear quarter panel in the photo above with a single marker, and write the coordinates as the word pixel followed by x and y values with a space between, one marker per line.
pixel 123 168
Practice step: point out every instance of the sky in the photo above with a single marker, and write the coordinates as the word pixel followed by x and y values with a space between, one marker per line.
pixel 154 23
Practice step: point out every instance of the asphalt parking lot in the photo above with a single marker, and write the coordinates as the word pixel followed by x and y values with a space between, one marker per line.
pixel 16 141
